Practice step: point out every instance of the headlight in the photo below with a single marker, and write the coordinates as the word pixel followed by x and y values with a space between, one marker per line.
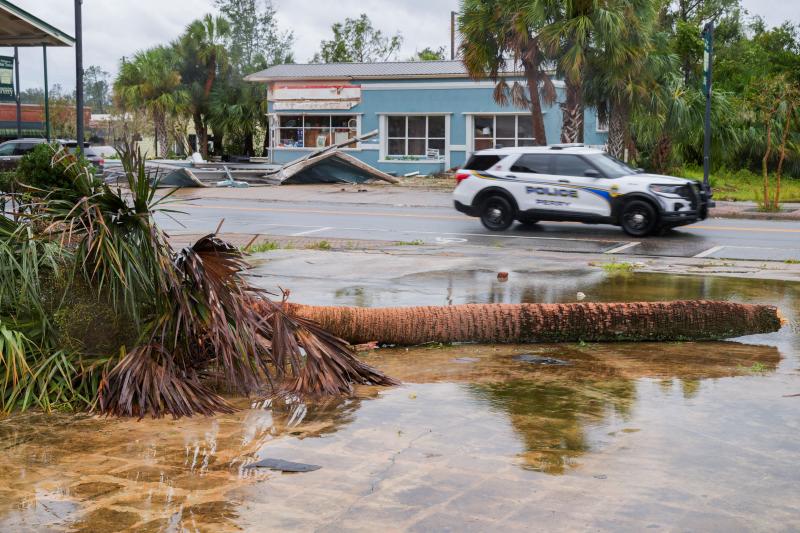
pixel 668 190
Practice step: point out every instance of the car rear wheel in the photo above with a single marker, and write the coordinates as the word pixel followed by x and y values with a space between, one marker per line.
pixel 639 218
pixel 497 213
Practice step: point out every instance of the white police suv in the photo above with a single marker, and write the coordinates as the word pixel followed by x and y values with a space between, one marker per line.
pixel 573 182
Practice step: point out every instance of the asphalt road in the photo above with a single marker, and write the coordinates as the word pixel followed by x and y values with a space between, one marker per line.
pixel 714 238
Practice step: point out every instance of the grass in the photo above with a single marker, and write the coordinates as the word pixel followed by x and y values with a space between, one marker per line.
pixel 743 185
pixel 755 368
pixel 264 246
pixel 792 261
pixel 415 242
pixel 320 245
pixel 615 267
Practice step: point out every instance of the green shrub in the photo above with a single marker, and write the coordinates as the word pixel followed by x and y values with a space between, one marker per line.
pixel 7 180
pixel 35 170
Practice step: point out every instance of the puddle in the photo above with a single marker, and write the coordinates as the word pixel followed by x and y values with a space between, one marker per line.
pixel 623 436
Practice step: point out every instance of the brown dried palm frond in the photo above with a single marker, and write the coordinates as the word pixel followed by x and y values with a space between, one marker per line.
pixel 320 363
pixel 519 95
pixel 500 93
pixel 146 382
pixel 548 90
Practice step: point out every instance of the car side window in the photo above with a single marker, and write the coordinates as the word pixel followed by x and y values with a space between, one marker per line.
pixel 7 148
pixel 571 165
pixel 533 163
pixel 24 148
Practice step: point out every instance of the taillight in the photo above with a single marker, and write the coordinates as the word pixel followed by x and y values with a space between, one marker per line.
pixel 461 176
pixel 101 162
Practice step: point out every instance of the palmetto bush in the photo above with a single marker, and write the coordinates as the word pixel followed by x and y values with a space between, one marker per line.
pixel 98 311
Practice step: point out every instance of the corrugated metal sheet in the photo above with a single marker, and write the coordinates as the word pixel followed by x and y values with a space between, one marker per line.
pixel 341 71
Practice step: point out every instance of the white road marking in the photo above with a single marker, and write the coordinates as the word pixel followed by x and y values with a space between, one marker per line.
pixel 706 253
pixel 309 232
pixel 449 240
pixel 622 248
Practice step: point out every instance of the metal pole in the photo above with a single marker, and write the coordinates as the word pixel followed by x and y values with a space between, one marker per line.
pixel 46 96
pixel 79 73
pixel 708 37
pixel 452 35
pixel 19 99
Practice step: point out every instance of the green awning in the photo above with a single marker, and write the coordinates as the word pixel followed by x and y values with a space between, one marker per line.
pixel 20 28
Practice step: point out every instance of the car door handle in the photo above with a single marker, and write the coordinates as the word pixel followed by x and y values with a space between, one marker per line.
pixel 511 176
pixel 563 181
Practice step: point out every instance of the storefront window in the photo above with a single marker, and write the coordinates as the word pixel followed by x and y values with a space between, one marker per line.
pixel 416 137
pixel 502 131
pixel 316 131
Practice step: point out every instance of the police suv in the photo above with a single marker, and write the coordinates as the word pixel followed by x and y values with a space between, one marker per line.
pixel 576 183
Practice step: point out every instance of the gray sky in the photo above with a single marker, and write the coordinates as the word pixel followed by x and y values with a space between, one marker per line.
pixel 116 28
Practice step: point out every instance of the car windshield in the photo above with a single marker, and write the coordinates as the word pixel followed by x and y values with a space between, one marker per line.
pixel 610 166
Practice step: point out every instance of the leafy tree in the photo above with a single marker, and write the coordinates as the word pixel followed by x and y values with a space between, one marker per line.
pixel 238 110
pixel 97 88
pixel 151 81
pixel 499 38
pixel 203 56
pixel 429 54
pixel 255 41
pixel 357 41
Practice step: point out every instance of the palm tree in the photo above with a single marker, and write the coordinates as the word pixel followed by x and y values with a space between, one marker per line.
pixel 500 37
pixel 203 56
pixel 237 110
pixel 622 69
pixel 151 82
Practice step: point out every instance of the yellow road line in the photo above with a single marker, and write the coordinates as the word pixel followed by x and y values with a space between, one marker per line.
pixel 440 217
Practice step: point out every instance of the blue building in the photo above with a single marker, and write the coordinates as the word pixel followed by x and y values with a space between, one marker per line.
pixel 430 116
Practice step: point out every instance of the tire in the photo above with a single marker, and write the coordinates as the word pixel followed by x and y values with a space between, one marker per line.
pixel 527 221
pixel 497 213
pixel 638 218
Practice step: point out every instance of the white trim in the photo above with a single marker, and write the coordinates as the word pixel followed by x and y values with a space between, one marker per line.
pixel 414 161
pixel 458 147
pixel 370 146
pixel 446 85
pixel 413 113
pixel 286 113
pixel 473 113
pixel 447 143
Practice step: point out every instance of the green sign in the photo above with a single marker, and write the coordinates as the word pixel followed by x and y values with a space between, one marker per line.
pixel 6 79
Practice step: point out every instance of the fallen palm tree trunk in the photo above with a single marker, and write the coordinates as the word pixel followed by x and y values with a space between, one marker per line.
pixel 519 323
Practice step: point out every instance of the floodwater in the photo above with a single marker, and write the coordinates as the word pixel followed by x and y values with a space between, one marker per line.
pixel 670 436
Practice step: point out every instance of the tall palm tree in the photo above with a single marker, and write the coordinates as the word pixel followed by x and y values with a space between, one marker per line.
pixel 575 28
pixel 151 82
pixel 623 68
pixel 237 110
pixel 498 39
pixel 203 57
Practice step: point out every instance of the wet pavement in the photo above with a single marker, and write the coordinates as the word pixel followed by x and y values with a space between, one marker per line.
pixel 713 238
pixel 670 436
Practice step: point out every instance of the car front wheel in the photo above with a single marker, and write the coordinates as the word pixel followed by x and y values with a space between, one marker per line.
pixel 497 213
pixel 639 218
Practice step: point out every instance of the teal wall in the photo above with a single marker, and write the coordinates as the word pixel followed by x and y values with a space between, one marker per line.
pixel 457 102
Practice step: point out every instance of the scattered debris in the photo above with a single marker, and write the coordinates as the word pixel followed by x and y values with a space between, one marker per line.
pixel 502 276
pixel 283 466
pixel 411 174
pixel 539 360
pixel 466 360
pixel 230 182
pixel 580 296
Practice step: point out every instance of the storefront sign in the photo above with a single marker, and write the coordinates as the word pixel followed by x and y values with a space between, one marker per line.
pixel 6 79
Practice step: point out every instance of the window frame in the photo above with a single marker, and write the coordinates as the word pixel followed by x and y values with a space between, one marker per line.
pixel 494 138
pixel 388 156
pixel 331 129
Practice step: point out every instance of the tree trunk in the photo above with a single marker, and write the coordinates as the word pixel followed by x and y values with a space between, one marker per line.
pixel 765 165
pixel 662 153
pixel 201 132
pixel 617 130
pixel 249 150
pixel 572 113
pixel 160 133
pixel 537 118
pixel 520 323
pixel 779 171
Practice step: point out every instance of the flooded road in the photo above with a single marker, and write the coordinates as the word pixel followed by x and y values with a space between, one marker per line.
pixel 678 436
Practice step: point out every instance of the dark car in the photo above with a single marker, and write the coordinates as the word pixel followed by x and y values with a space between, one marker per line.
pixel 12 151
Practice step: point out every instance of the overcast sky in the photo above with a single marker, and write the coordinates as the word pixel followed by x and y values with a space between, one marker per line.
pixel 116 28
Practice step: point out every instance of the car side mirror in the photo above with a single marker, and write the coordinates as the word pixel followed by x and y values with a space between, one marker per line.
pixel 591 173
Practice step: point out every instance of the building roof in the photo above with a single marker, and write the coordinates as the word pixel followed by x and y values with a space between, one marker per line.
pixel 339 71
pixel 20 28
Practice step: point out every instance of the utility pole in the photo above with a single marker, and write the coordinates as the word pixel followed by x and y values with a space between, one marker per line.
pixel 708 51
pixel 452 35
pixel 46 96
pixel 79 74
pixel 18 95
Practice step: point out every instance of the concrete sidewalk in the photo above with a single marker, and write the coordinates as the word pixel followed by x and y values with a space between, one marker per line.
pixel 420 196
